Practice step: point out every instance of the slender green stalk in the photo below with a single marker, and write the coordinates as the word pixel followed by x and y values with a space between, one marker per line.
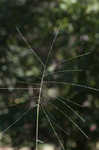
pixel 62 112
pixel 38 108
pixel 29 46
pixel 73 84
pixel 40 92
pixel 55 133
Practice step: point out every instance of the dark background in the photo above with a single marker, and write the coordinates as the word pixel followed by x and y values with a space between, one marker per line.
pixel 76 47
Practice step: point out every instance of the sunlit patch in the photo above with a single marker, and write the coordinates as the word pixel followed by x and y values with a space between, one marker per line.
pixel 46 147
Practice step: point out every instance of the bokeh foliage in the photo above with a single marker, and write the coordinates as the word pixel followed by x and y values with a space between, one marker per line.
pixel 78 24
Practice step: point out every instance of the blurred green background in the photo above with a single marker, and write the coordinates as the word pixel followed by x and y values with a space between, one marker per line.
pixel 31 25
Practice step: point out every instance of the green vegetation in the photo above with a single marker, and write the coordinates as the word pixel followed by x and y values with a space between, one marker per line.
pixel 49 68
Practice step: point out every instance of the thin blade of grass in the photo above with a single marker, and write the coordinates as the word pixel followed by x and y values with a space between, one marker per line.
pixel 38 108
pixel 17 120
pixel 29 46
pixel 55 123
pixel 40 91
pixel 69 107
pixel 11 88
pixel 71 121
pixel 55 133
pixel 68 100
pixel 51 48
pixel 62 71
pixel 73 58
pixel 73 84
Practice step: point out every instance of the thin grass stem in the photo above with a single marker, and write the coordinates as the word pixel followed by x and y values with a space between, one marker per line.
pixel 71 121
pixel 62 71
pixel 73 84
pixel 69 107
pixel 17 120
pixel 29 46
pixel 55 133
pixel 73 58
